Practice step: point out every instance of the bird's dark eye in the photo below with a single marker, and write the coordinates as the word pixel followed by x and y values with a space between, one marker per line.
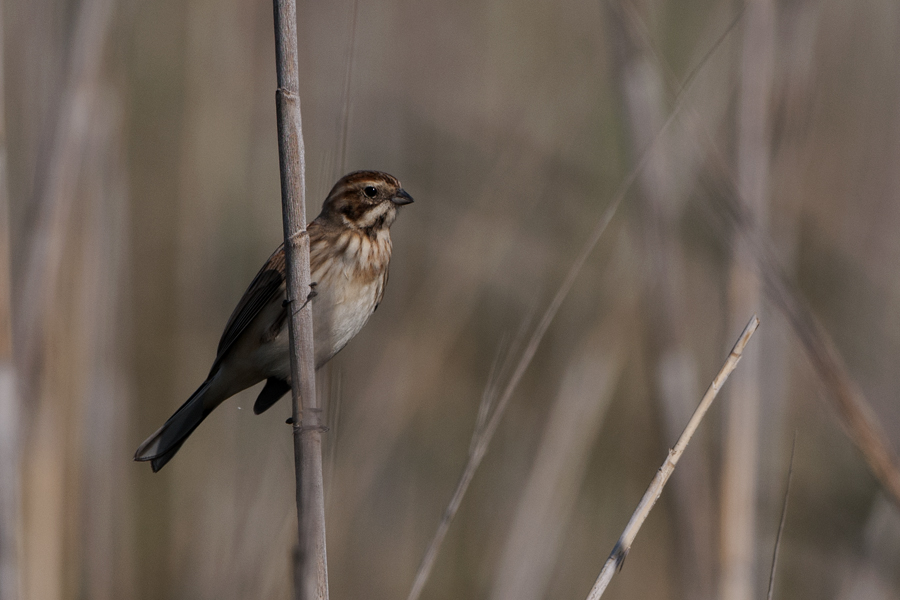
pixel 370 191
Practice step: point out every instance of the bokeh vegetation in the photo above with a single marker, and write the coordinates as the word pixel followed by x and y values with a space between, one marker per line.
pixel 143 194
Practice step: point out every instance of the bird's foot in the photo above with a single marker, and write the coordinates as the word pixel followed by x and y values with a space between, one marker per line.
pixel 312 294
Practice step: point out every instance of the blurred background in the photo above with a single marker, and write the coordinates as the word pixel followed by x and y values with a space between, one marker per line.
pixel 140 194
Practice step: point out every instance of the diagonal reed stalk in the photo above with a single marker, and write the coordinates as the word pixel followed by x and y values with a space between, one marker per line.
pixel 784 507
pixel 482 437
pixel 856 414
pixel 620 550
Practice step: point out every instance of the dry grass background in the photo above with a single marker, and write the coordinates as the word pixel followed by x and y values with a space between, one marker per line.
pixel 143 194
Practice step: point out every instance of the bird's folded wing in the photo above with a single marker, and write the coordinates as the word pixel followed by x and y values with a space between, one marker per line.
pixel 265 286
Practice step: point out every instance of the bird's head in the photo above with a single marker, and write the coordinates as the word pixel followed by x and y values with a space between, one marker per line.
pixel 365 200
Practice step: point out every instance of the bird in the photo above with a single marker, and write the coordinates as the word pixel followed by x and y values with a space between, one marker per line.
pixel 350 251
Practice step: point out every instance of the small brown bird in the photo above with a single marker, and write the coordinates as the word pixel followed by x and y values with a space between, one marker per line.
pixel 350 248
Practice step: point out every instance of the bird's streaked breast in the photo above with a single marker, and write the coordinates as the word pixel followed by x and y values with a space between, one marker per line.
pixel 350 274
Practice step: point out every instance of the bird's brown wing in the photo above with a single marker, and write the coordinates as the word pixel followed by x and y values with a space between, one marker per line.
pixel 267 283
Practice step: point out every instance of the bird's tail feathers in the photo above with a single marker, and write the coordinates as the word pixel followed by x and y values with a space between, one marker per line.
pixel 160 447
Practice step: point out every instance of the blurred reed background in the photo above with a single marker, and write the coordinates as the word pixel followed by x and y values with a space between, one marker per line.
pixel 140 193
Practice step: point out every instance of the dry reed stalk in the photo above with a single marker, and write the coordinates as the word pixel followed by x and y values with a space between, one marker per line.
pixel 854 410
pixel 550 494
pixel 784 507
pixel 102 413
pixel 72 467
pixel 643 86
pixel 312 569
pixel 482 436
pixel 10 515
pixel 10 518
pixel 54 204
pixel 856 414
pixel 740 467
pixel 345 92
pixel 622 547
pixel 41 331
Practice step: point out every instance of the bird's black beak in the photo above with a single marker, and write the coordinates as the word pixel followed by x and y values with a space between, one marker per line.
pixel 401 198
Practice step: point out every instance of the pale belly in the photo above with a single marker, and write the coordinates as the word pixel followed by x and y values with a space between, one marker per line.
pixel 339 313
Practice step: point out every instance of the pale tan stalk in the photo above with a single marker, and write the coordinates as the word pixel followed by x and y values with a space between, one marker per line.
pixel 10 517
pixel 662 200
pixel 856 413
pixel 668 467
pixel 312 569
pixel 43 330
pixel 345 92
pixel 740 468
pixel 482 437
pixel 549 496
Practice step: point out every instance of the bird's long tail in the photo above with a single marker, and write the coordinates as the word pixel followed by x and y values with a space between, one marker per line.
pixel 160 447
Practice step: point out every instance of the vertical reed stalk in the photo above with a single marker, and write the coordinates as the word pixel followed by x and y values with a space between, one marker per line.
pixel 740 469
pixel 9 399
pixel 312 570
